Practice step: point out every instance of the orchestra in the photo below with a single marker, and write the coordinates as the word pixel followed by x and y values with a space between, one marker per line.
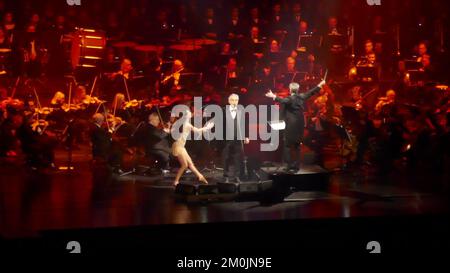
pixel 283 52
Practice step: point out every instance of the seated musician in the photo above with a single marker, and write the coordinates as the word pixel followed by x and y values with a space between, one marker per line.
pixel 79 95
pixel 118 107
pixel 251 49
pixel 102 141
pixel 209 25
pixel 422 50
pixel 125 69
pixel 171 80
pixel 288 69
pixel 8 135
pixel 427 68
pixel 100 137
pixel 384 104
pixel 79 122
pixel 37 145
pixel 233 77
pixel 311 67
pixel 155 140
pixel 265 78
pixel 58 99
pixel 120 79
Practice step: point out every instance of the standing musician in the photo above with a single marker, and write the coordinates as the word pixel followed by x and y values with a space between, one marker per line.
pixel 292 112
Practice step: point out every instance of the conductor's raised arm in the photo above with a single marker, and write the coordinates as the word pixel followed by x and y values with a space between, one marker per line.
pixel 313 91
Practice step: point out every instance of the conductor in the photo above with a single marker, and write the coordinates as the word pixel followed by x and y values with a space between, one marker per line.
pixel 292 109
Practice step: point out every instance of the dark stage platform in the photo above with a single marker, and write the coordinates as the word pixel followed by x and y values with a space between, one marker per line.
pixel 89 197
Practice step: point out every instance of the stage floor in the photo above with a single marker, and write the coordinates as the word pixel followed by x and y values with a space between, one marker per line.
pixel 33 202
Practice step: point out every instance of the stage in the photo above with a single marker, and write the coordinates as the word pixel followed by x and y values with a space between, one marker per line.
pixel 35 203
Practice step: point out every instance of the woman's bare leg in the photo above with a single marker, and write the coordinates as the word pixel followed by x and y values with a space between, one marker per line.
pixel 194 169
pixel 183 166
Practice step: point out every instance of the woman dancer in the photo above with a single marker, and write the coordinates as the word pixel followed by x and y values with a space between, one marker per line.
pixel 180 151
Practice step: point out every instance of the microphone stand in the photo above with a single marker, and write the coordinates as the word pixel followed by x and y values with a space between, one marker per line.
pixel 246 174
pixel 212 163
pixel 67 133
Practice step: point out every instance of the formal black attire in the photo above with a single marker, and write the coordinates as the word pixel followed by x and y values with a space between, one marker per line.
pixel 292 109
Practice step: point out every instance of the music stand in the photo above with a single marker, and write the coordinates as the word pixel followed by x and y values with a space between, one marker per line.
pixel 336 40
pixel 344 136
pixel 190 80
pixel 367 72
pixel 258 47
pixel 412 65
pixel 277 125
pixel 305 42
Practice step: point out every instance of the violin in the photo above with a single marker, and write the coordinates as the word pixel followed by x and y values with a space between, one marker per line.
pixel 132 103
pixel 44 110
pixel 39 126
pixel 114 123
pixel 12 103
pixel 174 75
pixel 92 100
pixel 70 107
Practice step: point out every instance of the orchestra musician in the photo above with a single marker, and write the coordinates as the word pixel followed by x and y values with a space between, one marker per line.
pixel 31 52
pixel 171 82
pixel 37 144
pixel 388 100
pixel 154 137
pixel 8 134
pixel 422 50
pixel 100 137
pixel 121 78
pixel 118 108
pixel 58 99
pixel 210 27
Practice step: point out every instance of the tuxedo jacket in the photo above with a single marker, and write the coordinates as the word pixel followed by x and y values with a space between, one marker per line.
pixel 292 109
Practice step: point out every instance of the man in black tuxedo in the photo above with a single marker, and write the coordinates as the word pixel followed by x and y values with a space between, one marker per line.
pixel 100 137
pixel 234 138
pixel 102 145
pixel 155 140
pixel 292 112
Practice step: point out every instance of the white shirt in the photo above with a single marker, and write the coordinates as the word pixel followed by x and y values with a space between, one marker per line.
pixel 233 111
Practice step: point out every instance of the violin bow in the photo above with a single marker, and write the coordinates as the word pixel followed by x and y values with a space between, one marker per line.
pixel 115 106
pixel 37 98
pixel 93 86
pixel 126 88
pixel 159 115
pixel 70 94
pixel 106 117
pixel 15 87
